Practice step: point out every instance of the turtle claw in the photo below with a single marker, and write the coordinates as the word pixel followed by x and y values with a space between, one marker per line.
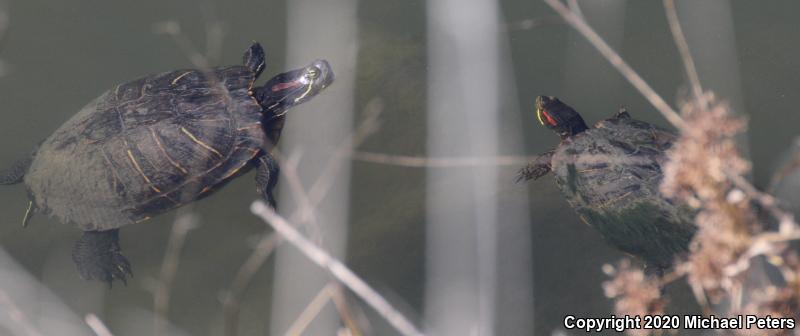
pixel 121 269
pixel 97 256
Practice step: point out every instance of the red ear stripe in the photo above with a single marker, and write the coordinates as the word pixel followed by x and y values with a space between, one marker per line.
pixel 550 119
pixel 284 86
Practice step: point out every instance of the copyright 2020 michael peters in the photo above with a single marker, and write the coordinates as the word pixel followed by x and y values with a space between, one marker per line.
pixel 710 322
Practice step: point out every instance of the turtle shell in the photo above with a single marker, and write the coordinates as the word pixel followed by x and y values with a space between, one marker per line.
pixel 147 146
pixel 610 174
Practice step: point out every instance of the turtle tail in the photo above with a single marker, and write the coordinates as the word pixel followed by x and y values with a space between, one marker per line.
pixel 16 172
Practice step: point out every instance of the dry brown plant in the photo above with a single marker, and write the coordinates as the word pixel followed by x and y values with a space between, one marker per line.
pixel 635 293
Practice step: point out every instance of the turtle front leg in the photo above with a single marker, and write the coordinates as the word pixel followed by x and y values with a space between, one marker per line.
pixel 537 168
pixel 267 177
pixel 98 256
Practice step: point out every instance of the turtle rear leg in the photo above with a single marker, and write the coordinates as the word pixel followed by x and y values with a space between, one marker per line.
pixel 537 168
pixel 97 255
pixel 16 172
pixel 267 177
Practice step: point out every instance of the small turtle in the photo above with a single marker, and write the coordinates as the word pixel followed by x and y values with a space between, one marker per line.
pixel 157 143
pixel 610 175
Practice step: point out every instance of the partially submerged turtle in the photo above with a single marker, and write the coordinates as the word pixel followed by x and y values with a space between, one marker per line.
pixel 610 175
pixel 157 143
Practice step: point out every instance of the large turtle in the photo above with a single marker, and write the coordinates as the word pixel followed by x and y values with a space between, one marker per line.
pixel 157 143
pixel 610 175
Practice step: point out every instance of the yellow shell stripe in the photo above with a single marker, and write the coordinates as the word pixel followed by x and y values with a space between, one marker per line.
pixel 179 77
pixel 164 151
pixel 203 144
pixel 139 169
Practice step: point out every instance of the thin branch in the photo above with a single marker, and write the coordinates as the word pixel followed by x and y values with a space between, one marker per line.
pixel 312 311
pixel 306 213
pixel 533 23
pixel 97 325
pixel 683 48
pixel 790 168
pixel 215 34
pixel 369 125
pixel 336 268
pixel 439 162
pixel 575 8
pixel 582 27
pixel 766 200
pixel 173 30
pixel 345 311
pixel 4 22
pixel 183 224
pixel 233 298
pixel 15 314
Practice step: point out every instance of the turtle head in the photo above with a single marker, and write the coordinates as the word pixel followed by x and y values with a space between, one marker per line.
pixel 559 117
pixel 293 87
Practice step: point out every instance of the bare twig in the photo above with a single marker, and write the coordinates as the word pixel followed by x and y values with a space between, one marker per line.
pixel 789 168
pixel 183 224
pixel 369 125
pixel 243 278
pixel 766 200
pixel 215 34
pixel 12 310
pixel 305 214
pixel 683 48
pixel 442 162
pixel 336 269
pixel 312 311
pixel 582 27
pixel 533 23
pixel 4 22
pixel 173 30
pixel 575 8
pixel 97 325
pixel 344 309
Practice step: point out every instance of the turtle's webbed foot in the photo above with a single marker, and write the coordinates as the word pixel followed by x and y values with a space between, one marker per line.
pixel 97 255
pixel 537 168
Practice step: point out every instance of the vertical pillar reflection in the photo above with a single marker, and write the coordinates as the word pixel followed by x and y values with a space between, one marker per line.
pixel 317 29
pixel 466 267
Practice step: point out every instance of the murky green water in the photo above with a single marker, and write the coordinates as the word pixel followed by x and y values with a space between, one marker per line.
pixel 60 55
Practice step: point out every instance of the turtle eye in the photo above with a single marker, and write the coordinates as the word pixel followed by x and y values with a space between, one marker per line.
pixel 312 72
